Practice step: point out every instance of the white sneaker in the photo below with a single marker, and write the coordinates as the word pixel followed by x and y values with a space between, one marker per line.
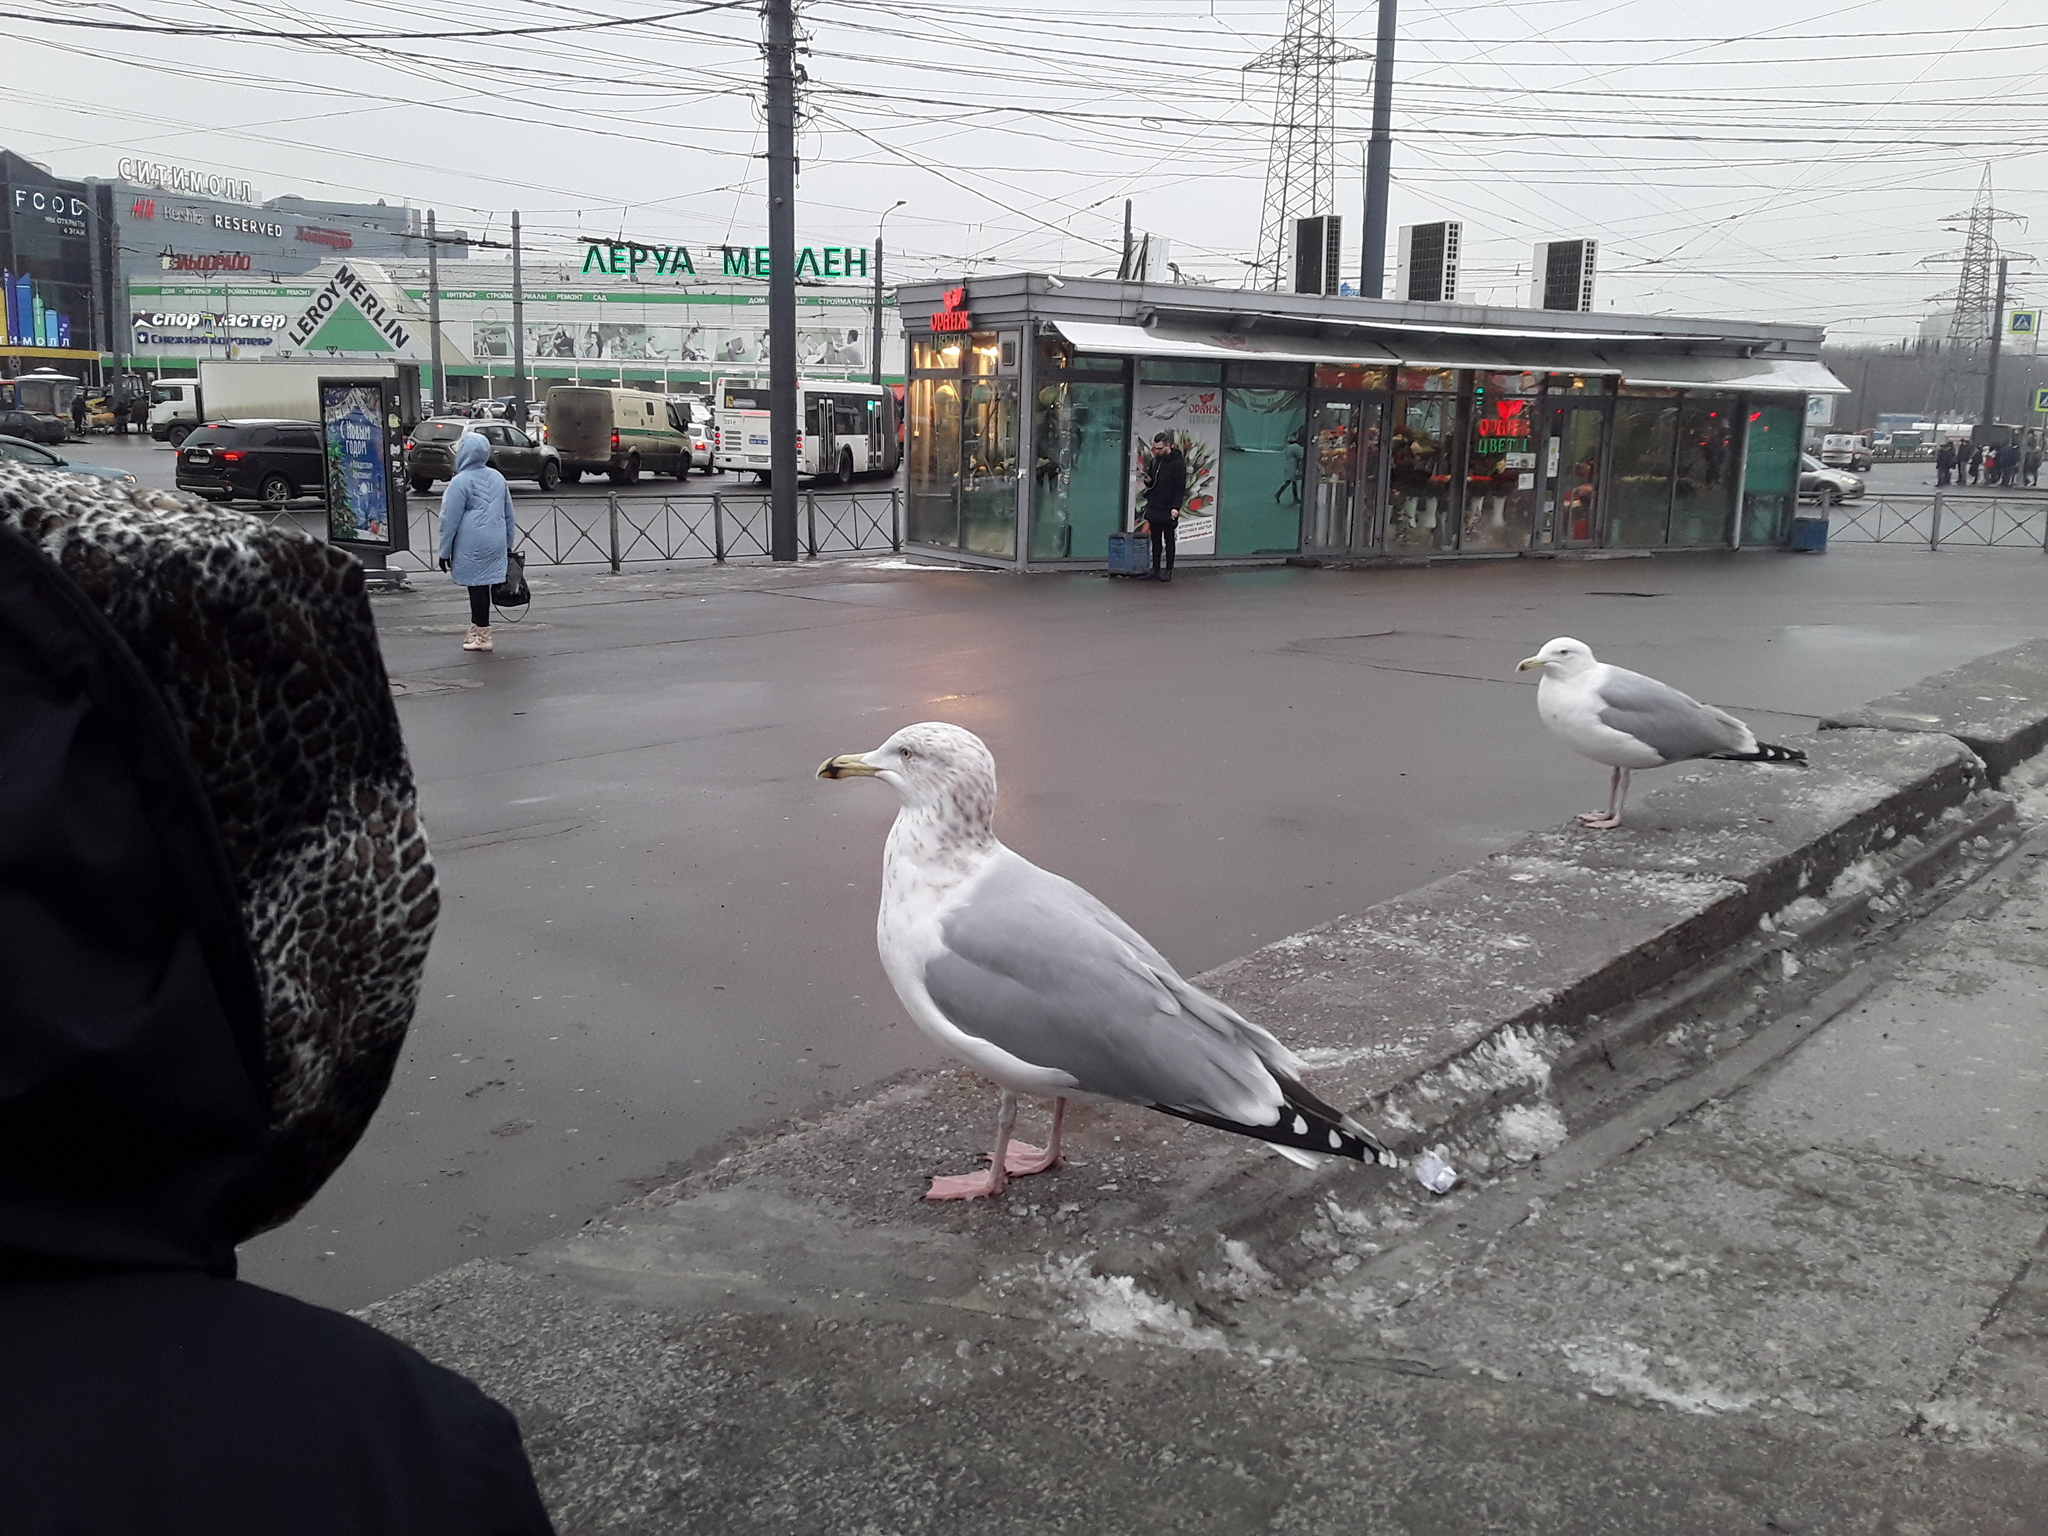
pixel 478 638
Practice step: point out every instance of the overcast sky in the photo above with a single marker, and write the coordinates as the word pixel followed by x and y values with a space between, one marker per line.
pixel 1785 159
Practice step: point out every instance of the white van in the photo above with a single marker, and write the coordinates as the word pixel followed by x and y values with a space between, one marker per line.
pixel 616 432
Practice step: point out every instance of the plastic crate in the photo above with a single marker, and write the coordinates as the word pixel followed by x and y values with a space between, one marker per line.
pixel 1810 535
pixel 1130 554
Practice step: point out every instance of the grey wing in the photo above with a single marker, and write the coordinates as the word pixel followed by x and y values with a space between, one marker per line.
pixel 1672 724
pixel 1034 964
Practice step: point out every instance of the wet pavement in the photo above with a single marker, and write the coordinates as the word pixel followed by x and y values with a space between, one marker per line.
pixel 658 927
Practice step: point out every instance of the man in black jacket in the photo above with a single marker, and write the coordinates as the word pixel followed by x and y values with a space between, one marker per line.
pixel 215 907
pixel 1166 488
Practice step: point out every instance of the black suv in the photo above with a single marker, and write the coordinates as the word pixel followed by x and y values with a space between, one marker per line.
pixel 267 461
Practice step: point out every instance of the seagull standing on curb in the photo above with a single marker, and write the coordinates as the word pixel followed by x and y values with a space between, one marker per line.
pixel 1042 988
pixel 1630 721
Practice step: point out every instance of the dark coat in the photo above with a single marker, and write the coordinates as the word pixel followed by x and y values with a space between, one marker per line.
pixel 206 824
pixel 1167 485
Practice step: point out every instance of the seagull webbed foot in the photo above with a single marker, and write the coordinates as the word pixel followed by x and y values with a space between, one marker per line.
pixel 1021 1159
pixel 968 1186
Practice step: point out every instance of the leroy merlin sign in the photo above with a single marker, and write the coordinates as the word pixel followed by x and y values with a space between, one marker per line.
pixel 630 258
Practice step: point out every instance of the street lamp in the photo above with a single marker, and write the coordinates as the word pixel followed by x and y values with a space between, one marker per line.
pixel 875 351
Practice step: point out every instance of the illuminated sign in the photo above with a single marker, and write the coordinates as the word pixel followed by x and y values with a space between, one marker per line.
pixel 142 208
pixel 178 178
pixel 954 317
pixel 68 213
pixel 343 289
pixel 240 226
pixel 637 259
pixel 332 238
pixel 1509 429
pixel 212 261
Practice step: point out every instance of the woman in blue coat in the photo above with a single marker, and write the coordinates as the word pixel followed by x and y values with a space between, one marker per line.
pixel 477 530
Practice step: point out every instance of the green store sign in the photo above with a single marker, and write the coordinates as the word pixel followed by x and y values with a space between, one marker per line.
pixel 630 258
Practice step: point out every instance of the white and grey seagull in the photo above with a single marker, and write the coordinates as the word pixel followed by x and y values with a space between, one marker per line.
pixel 1630 721
pixel 1042 988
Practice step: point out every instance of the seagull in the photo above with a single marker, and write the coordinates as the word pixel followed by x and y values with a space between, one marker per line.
pixel 1630 721
pixel 1040 987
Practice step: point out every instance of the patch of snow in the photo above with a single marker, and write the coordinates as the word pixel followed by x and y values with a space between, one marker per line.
pixel 1527 1131
pixel 1797 914
pixel 1242 1275
pixel 1863 878
pixel 1117 1307
pixel 1612 1365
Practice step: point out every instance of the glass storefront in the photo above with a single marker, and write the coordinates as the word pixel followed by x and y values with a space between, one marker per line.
pixel 1645 449
pixel 1703 490
pixel 1770 475
pixel 1341 460
pixel 1422 491
pixel 962 416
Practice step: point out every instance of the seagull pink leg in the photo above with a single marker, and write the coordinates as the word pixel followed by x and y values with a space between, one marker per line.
pixel 1617 796
pixel 990 1181
pixel 1025 1159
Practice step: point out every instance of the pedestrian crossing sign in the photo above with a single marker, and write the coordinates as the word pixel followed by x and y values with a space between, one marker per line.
pixel 2023 322
pixel 2041 402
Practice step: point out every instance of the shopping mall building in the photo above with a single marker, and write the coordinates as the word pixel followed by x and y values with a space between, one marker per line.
pixel 1341 429
pixel 164 266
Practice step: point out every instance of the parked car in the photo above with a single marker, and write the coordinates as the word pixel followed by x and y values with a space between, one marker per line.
pixel 1827 486
pixel 267 461
pixel 39 457
pixel 430 452
pixel 34 426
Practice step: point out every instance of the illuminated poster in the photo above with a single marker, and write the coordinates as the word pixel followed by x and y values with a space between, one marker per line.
pixel 358 461
pixel 1193 413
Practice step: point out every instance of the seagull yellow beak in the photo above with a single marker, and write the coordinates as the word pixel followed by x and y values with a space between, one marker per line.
pixel 1527 662
pixel 849 765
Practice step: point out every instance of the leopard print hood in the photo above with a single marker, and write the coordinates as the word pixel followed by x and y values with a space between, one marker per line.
pixel 212 685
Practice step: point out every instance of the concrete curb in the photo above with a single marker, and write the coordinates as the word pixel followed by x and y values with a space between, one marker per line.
pixel 1997 706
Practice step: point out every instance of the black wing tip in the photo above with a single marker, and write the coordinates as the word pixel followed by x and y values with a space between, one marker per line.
pixel 1306 1123
pixel 1766 752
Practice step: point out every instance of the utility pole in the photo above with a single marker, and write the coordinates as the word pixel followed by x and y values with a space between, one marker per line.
pixel 780 16
pixel 434 311
pixel 875 352
pixel 1123 270
pixel 1991 372
pixel 518 324
pixel 1379 162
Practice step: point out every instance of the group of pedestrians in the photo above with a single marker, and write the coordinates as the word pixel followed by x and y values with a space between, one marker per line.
pixel 2005 464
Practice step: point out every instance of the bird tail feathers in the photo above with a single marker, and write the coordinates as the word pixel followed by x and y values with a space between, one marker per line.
pixel 1766 752
pixel 1306 1125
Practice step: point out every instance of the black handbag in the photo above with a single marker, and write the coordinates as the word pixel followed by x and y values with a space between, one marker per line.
pixel 512 592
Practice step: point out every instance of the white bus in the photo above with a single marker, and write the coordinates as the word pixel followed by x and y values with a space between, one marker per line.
pixel 844 429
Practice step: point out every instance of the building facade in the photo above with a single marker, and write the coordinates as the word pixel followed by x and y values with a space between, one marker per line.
pixel 1341 430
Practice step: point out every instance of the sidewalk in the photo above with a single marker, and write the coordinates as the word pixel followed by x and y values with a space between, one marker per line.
pixel 1767 1264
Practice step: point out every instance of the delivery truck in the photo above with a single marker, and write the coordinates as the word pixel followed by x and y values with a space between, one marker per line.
pixel 267 389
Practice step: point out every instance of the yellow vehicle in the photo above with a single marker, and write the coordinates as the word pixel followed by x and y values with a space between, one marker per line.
pixel 619 432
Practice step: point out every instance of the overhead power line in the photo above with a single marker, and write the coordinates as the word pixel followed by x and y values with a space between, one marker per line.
pixel 473 34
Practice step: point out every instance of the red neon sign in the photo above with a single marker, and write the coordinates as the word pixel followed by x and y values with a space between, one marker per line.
pixel 954 317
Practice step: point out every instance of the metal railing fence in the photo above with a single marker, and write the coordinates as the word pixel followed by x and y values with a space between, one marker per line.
pixel 1942 521
pixel 719 527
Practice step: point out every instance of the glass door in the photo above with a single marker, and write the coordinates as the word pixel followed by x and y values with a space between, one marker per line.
pixel 1573 447
pixel 1335 434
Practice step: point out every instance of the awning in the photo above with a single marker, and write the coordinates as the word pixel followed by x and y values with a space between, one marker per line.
pixel 1791 375
pixel 1424 351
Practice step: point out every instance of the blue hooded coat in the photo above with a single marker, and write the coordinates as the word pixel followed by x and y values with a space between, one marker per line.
pixel 476 517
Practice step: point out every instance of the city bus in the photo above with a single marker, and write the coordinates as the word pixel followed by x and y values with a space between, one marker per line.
pixel 844 429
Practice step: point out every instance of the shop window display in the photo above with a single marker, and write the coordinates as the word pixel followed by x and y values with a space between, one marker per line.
pixel 1645 445
pixel 1077 477
pixel 1770 476
pixel 1421 496
pixel 1349 377
pixel 1703 493
pixel 1500 467
pixel 933 511
pixel 988 467
pixel 1264 460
